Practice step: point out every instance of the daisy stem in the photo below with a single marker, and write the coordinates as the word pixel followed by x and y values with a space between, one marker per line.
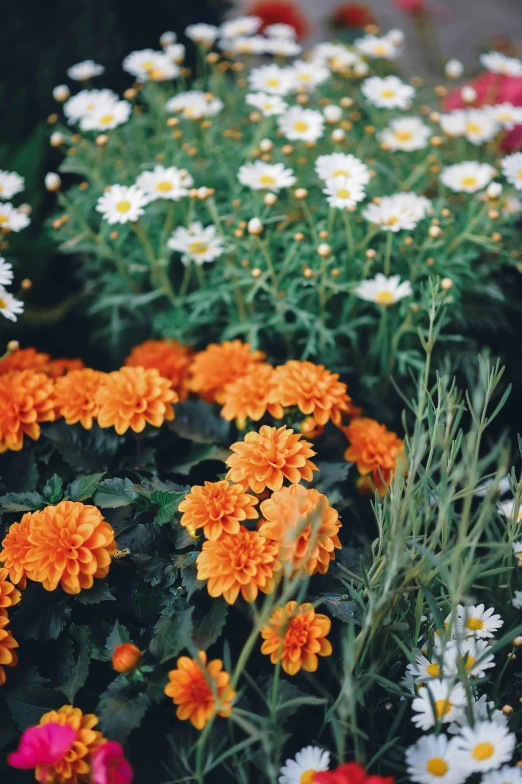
pixel 416 174
pixel 310 221
pixel 387 253
pixel 159 273
pixel 167 228
pixel 349 234
pixel 473 222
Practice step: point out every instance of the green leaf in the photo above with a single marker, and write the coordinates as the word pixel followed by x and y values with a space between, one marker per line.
pixel 208 629
pixel 121 709
pixel 21 502
pixel 29 703
pixel 84 486
pixel 198 453
pixel 115 492
pixel 80 669
pixel 85 451
pixel 173 633
pixel 168 503
pixel 41 614
pixel 342 608
pixel 197 421
pixel 118 635
pixel 330 476
pixel 100 592
pixel 53 489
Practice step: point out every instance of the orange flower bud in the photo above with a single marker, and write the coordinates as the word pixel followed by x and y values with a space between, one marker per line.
pixel 126 657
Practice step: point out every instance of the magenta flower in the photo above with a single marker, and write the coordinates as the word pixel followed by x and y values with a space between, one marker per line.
pixel 109 766
pixel 42 746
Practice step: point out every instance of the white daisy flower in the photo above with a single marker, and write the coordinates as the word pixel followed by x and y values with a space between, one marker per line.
pixel 506 114
pixel 307 763
pixel 196 243
pixel 194 104
pixel 268 105
pixel 502 486
pixel 255 44
pixel 508 509
pixel 434 758
pixel 106 116
pixel 476 621
pixel 84 70
pixel 162 183
pixel 387 93
pixel 85 102
pixel 149 65
pixel 336 56
pixel 512 169
pixel 438 701
pixel 485 746
pixel 167 38
pixel 121 204
pixel 408 681
pixel 481 710
pixel 504 775
pixel 306 125
pixel 467 177
pixel 500 63
pixel 453 69
pixel 340 164
pixel 517 600
pixel 474 654
pixel 175 52
pixel 10 184
pixel 376 47
pixel 6 272
pixel 343 192
pixel 265 176
pixel 397 212
pixel 453 123
pixel 11 219
pixel 308 75
pixel 283 47
pixel 396 36
pixel 204 34
pixel 405 133
pixel 282 32
pixel 383 290
pixel 425 670
pixel 10 307
pixel 476 125
pixel 332 113
pixel 271 79
pixel 242 25
pixel 517 550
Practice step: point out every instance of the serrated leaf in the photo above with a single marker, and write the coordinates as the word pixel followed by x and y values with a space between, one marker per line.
pixel 80 669
pixel 196 421
pixel 118 635
pixel 84 486
pixel 41 615
pixel 190 581
pixel 21 502
pixel 84 450
pixel 168 503
pixel 115 492
pixel 173 633
pixel 330 476
pixel 208 629
pixel 29 703
pixel 100 592
pixel 121 709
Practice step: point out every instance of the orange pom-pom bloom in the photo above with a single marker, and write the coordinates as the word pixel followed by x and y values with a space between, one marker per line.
pixel 313 389
pixel 26 398
pixel 59 367
pixel 170 358
pixel 8 657
pixel 219 365
pixel 24 359
pixel 75 765
pixel 14 549
pixel 295 635
pixel 75 396
pixel 245 562
pixel 189 688
pixel 305 525
pixel 71 544
pixel 217 507
pixel 247 397
pixel 267 458
pixel 126 657
pixel 373 447
pixel 9 595
pixel 133 396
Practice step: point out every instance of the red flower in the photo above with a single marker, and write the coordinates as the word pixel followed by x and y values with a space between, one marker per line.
pixel 109 766
pixel 281 12
pixel 42 746
pixel 350 773
pixel 352 15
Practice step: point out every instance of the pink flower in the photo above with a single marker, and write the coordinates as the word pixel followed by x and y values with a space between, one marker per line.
pixel 410 6
pixel 109 766
pixel 42 746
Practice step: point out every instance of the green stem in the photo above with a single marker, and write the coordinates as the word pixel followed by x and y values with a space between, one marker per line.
pixel 349 234
pixel 387 252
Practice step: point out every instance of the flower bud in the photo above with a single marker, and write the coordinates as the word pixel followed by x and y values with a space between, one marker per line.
pixel 255 227
pixel 168 38
pixel 396 36
pixel 126 657
pixel 12 346
pixel 338 135
pixel 56 139
pixel 494 190
pixel 332 113
pixel 361 69
pixel 61 92
pixel 453 69
pixel 265 145
pixel 324 250
pixel 52 181
pixel 446 284
pixel 468 94
pixel 270 199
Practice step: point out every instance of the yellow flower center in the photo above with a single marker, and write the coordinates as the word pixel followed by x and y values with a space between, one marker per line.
pixel 474 624
pixel 3 304
pixel 433 669
pixel 304 77
pixel 390 221
pixel 403 136
pixel 519 174
pixel 343 193
pixel 307 777
pixel 472 127
pixel 272 82
pixel 300 125
pixel 267 106
pixel 1 188
pixel 469 181
pixel 384 298
pixel 442 707
pixel 380 50
pixel 197 247
pixel 156 73
pixel 341 173
pixel 469 662
pixel 89 107
pixel 147 65
pixel 504 117
pixel 106 119
pixel 266 179
pixel 437 766
pixel 164 186
pixel 123 206
pixel 483 751
pixel 388 93
pixel 3 218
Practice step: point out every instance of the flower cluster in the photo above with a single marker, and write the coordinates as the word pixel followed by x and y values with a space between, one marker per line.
pixel 12 219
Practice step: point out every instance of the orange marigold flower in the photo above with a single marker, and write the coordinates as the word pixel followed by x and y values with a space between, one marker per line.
pixel 8 657
pixel 26 398
pixel 9 595
pixel 24 359
pixel 14 549
pixel 217 507
pixel 75 765
pixel 170 358
pixel 59 367
pixel 244 562
pixel 220 364
pixel 71 544
pixel 295 636
pixel 267 458
pixel 305 525
pixel 75 396
pixel 133 396
pixel 373 447
pixel 190 689
pixel 313 389
pixel 126 657
pixel 310 428
pixel 247 397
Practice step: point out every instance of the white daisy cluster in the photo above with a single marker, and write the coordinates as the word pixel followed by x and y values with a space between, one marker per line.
pixel 97 110
pixel 11 220
pixel 198 243
pixel 150 65
pixel 398 212
pixel 387 47
pixel 194 105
